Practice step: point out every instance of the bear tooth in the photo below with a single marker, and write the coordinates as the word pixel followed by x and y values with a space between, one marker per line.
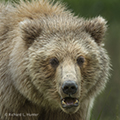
pixel 76 102
pixel 63 102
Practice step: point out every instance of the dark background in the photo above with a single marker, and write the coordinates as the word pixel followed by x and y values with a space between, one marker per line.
pixel 107 104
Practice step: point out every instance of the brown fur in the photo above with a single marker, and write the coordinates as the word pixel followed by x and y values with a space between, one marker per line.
pixel 32 33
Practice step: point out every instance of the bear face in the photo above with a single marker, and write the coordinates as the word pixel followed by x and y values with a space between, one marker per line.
pixel 66 62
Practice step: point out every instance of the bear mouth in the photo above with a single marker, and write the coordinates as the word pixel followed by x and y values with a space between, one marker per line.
pixel 69 102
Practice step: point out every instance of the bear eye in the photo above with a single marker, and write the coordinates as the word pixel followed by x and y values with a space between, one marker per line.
pixel 54 62
pixel 80 61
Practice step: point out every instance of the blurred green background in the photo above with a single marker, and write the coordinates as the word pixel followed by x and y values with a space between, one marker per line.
pixel 107 104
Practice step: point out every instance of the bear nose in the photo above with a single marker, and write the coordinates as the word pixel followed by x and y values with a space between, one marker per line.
pixel 69 87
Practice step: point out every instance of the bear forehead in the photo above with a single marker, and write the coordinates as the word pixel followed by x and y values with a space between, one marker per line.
pixel 62 47
pixel 63 34
pixel 56 40
pixel 63 24
pixel 55 23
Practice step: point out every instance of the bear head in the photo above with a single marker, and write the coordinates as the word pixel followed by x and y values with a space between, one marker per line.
pixel 65 60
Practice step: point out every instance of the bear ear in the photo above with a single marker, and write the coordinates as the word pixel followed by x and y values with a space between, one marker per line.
pixel 30 30
pixel 96 28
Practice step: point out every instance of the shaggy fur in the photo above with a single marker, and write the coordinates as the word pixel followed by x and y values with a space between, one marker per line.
pixel 31 35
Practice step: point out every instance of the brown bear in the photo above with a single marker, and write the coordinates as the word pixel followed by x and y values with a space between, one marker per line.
pixel 52 63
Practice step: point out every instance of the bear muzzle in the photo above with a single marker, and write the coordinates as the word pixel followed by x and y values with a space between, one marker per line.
pixel 69 88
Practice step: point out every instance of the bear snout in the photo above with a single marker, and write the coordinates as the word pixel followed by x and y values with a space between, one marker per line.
pixel 70 96
pixel 69 87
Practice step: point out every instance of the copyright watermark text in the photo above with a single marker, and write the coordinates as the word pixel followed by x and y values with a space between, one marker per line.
pixel 21 114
